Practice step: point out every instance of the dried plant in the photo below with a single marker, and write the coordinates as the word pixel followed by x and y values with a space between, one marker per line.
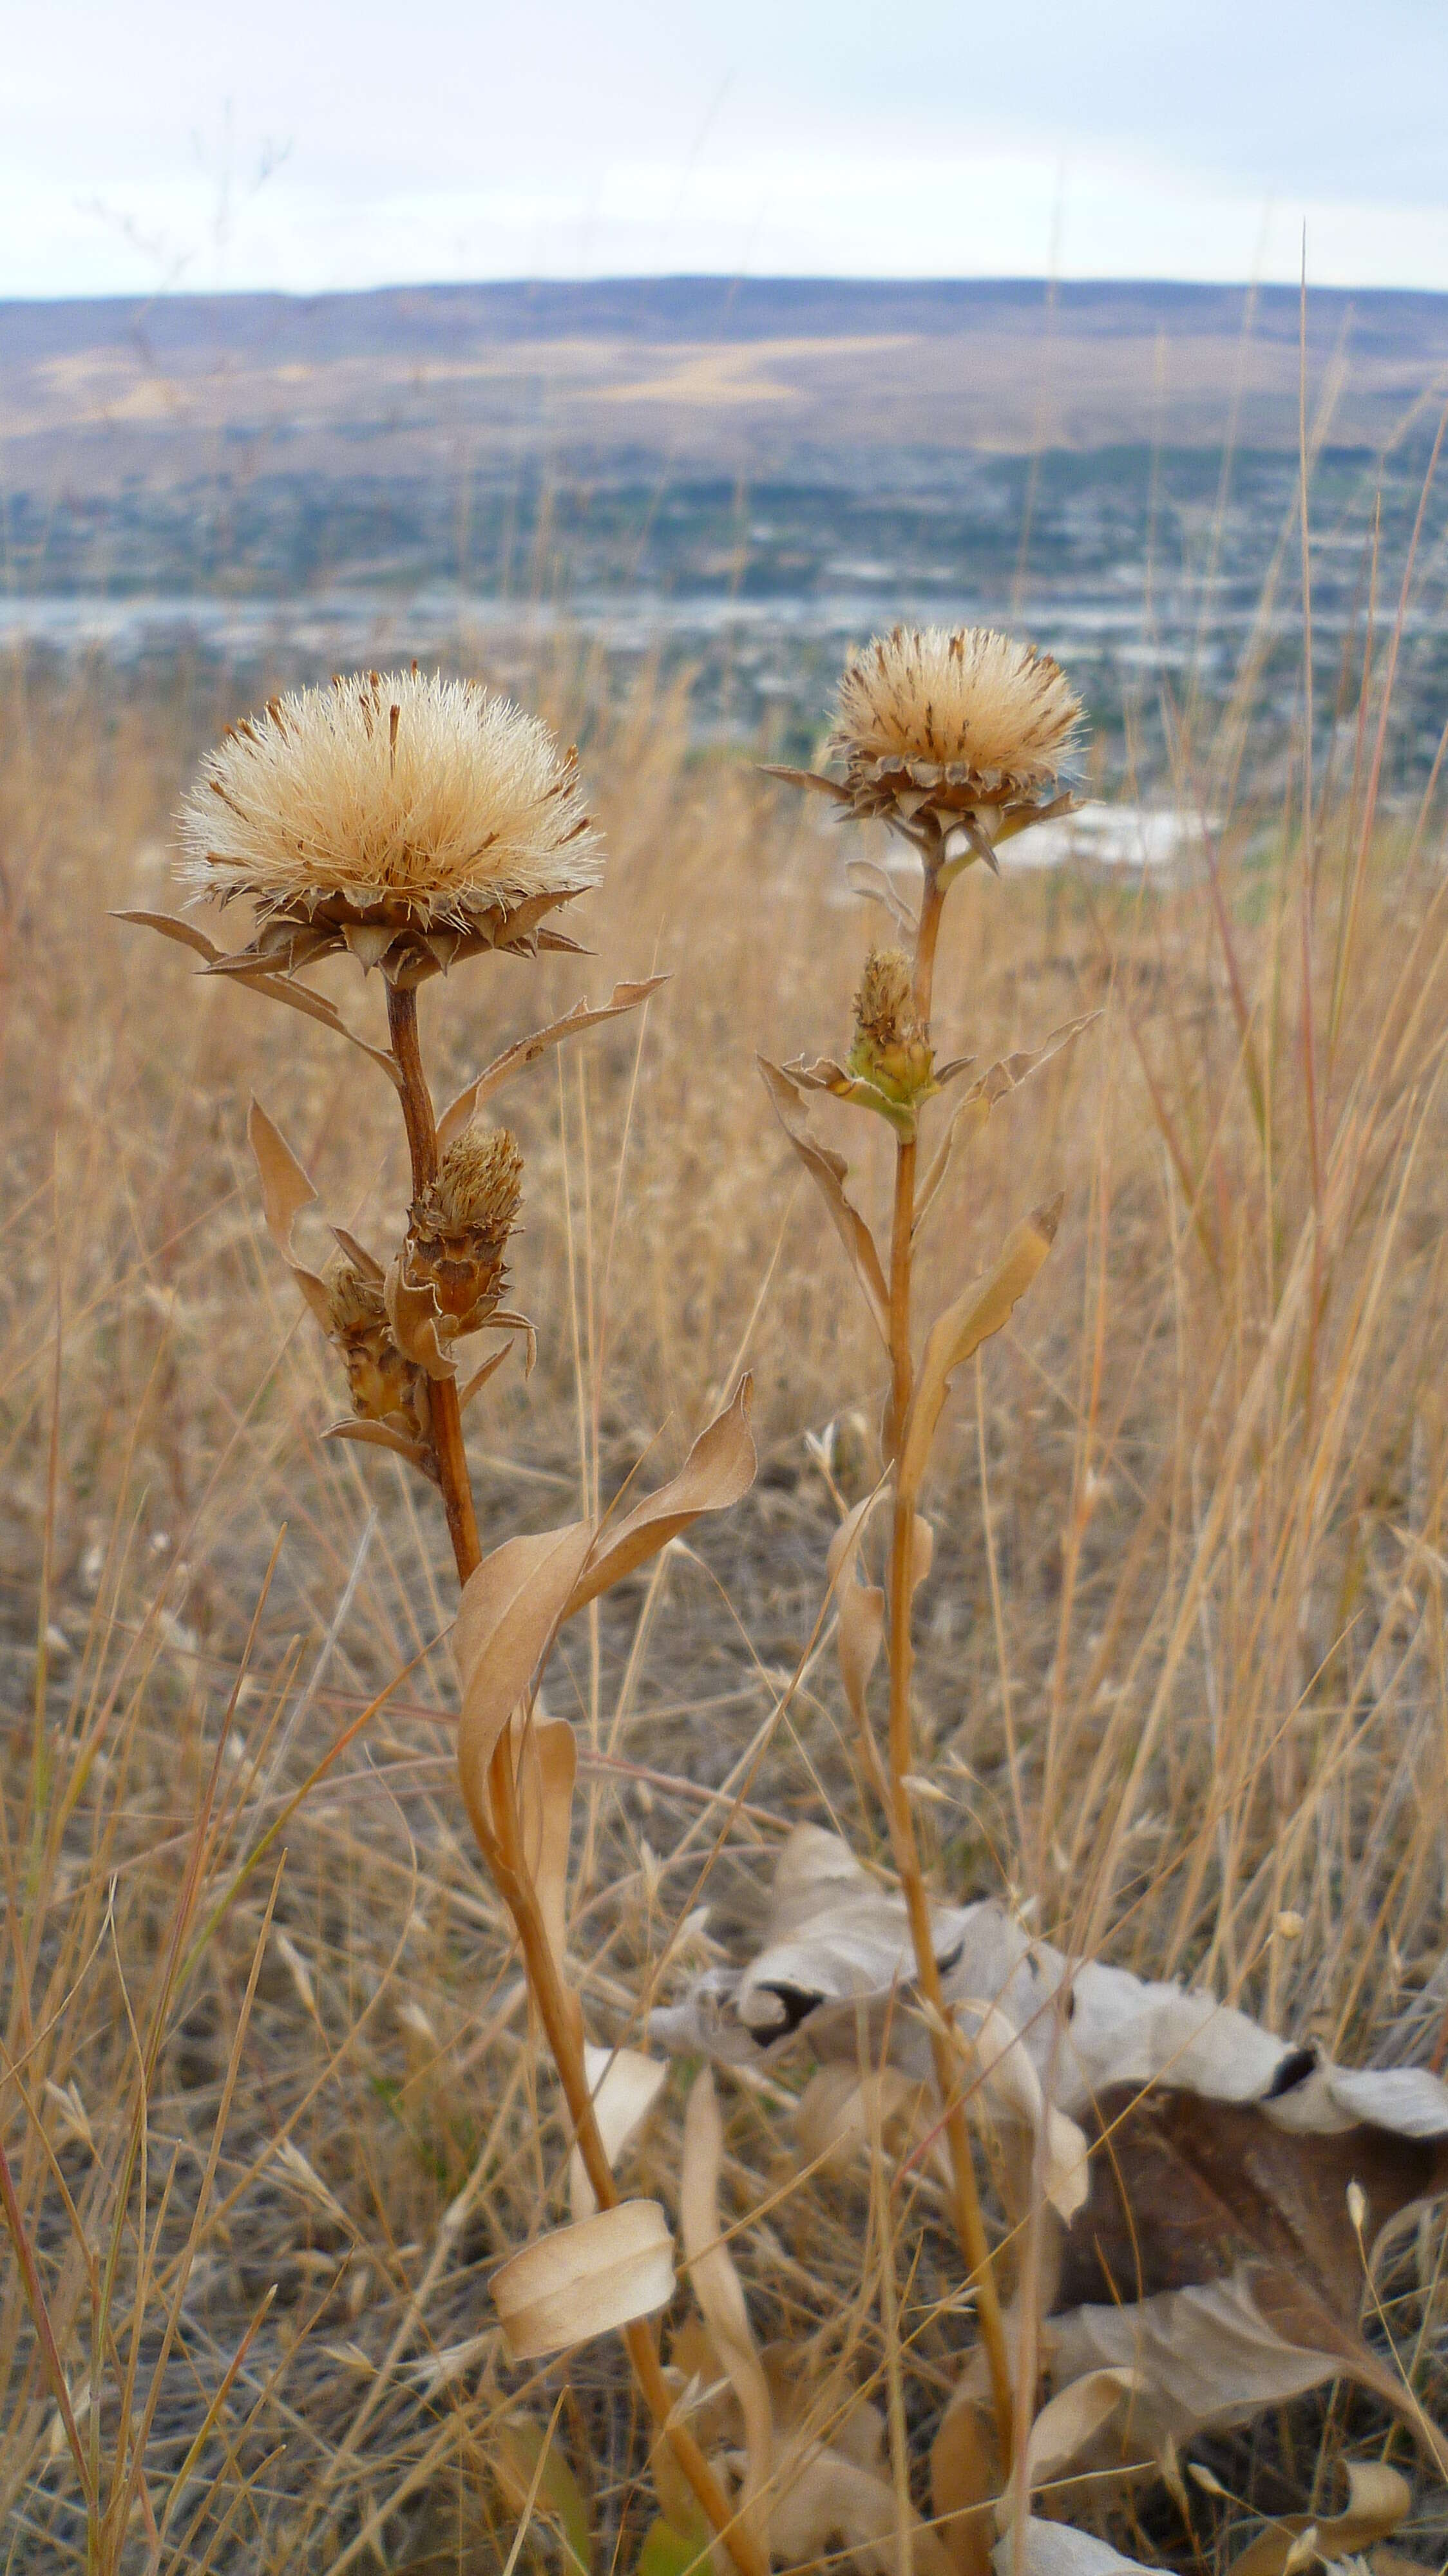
pixel 950 739
pixel 416 823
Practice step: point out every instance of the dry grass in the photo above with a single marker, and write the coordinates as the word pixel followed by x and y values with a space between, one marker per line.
pixel 268 2099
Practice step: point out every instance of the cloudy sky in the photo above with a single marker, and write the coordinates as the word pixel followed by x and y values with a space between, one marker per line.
pixel 306 144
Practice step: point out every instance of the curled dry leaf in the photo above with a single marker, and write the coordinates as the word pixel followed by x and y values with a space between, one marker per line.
pixel 624 2085
pixel 285 1191
pixel 381 1435
pixel 717 2288
pixel 983 1309
pixel 585 2280
pixel 510 1612
pixel 1377 2500
pixel 415 1317
pixel 526 1051
pixel 276 987
pixel 974 1110
pixel 1069 2422
pixel 827 1170
pixel 519 1597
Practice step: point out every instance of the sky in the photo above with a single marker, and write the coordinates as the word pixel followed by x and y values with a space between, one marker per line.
pixel 312 144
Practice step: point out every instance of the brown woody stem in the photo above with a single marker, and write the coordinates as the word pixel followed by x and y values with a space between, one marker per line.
pixel 965 2196
pixel 501 1843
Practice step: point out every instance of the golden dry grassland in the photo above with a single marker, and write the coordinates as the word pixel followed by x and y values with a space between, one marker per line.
pixel 270 2103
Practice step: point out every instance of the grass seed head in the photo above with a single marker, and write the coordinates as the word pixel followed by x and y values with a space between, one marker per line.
pixel 459 1225
pixel 937 726
pixel 407 817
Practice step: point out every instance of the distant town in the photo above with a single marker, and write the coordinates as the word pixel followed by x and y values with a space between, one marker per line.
pixel 736 480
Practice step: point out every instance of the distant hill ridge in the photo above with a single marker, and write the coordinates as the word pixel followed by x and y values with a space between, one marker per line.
pixel 423 319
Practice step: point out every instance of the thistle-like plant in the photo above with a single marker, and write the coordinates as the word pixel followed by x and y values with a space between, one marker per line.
pixel 417 823
pixel 957 741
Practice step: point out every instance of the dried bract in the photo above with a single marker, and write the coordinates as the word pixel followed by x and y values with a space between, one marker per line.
pixel 409 818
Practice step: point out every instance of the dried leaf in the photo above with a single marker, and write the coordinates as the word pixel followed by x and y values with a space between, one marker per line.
pixel 526 1051
pixel 584 2280
pixel 842 2114
pixel 980 1100
pixel 285 1191
pixel 991 2046
pixel 275 987
pixel 717 1473
pixel 955 1336
pixel 827 1170
pixel 861 1608
pixel 1070 2422
pixel 380 1435
pixel 1377 2500
pixel 720 2296
pixel 965 2478
pixel 824 1074
pixel 827 2500
pixel 510 1612
pixel 527 2461
pixel 625 2085
pixel 1216 2255
pixel 515 1602
pixel 1036 2548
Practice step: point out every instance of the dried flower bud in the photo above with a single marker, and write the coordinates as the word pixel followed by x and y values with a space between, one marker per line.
pixel 884 1004
pixel 384 1386
pixel 406 817
pixel 891 1050
pixel 458 1227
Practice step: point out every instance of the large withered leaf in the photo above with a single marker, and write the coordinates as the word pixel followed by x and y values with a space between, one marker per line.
pixel 526 1051
pixel 1217 2254
pixel 827 1170
pixel 984 1308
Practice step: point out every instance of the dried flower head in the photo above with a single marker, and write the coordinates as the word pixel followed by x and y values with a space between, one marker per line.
pixel 957 739
pixel 458 1228
pixel 409 818
pixel 384 1386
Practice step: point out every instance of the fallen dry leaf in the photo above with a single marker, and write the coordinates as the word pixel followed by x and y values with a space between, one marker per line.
pixel 624 2085
pixel 584 2280
pixel 1377 2500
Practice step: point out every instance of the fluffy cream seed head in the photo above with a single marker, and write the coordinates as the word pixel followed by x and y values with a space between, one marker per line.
pixel 971 708
pixel 437 798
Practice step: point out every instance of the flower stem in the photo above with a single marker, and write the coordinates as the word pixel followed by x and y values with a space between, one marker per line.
pixel 500 1839
pixel 965 2196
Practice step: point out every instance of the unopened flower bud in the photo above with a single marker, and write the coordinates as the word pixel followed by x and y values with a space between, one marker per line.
pixel 892 1050
pixel 381 1382
pixel 459 1226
